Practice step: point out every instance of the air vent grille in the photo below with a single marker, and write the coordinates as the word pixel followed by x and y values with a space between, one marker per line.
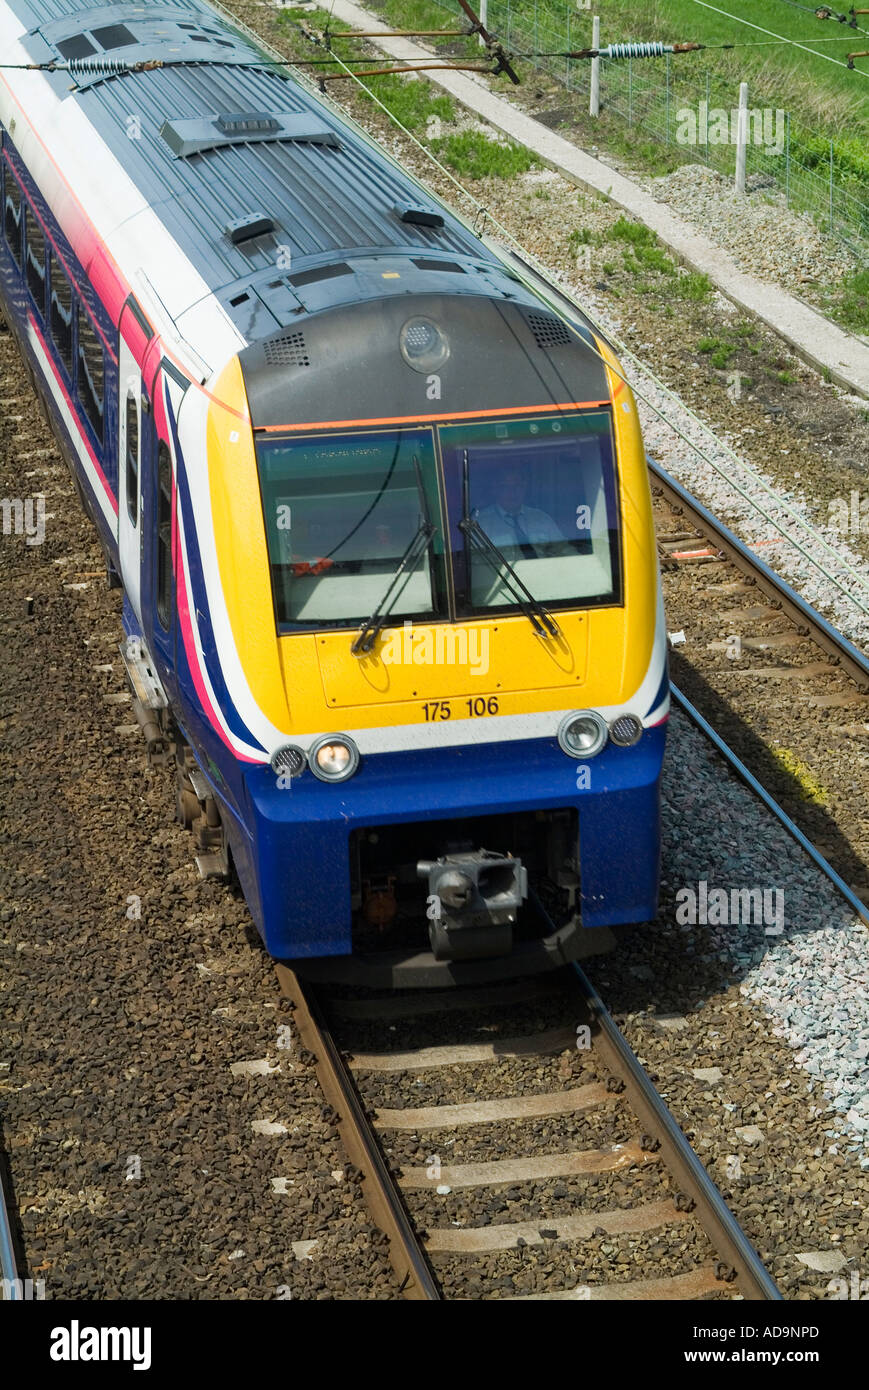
pixel 247 122
pixel 548 331
pixel 287 351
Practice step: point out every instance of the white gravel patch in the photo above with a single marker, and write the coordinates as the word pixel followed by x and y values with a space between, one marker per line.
pixel 759 231
pixel 811 979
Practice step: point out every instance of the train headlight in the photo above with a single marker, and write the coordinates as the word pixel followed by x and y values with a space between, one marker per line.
pixel 288 761
pixel 333 758
pixel 582 735
pixel 626 730
pixel 423 345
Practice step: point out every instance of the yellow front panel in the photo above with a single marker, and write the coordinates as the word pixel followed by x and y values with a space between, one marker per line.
pixel 460 659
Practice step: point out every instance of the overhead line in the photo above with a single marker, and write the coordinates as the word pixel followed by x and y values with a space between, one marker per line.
pixel 772 34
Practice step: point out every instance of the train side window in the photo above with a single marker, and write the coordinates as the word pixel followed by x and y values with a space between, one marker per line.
pixel 132 458
pixel 35 259
pixel 164 535
pixel 12 215
pixel 91 373
pixel 61 313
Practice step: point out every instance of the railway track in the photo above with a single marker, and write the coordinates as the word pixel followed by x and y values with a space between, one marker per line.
pixel 772 677
pixel 9 1271
pixel 556 1198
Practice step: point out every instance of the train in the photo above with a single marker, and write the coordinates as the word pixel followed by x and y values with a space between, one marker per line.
pixel 374 491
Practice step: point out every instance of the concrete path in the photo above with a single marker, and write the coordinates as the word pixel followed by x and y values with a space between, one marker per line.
pixel 810 335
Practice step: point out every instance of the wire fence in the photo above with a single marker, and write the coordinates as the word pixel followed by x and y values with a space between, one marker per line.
pixel 664 100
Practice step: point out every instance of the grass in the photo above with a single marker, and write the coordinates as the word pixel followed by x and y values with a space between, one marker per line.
pixel 815 91
pixel 473 155
pixel 693 286
pixel 416 104
pixel 719 351
pixel 854 301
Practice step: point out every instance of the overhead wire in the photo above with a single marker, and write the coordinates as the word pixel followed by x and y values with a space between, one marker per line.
pixel 772 34
pixel 824 12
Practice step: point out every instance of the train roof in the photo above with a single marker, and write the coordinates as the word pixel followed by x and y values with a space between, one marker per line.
pixel 283 207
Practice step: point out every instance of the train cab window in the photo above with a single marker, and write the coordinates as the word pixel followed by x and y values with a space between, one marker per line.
pixel 90 380
pixel 35 260
pixel 541 495
pixel 164 536
pixel 353 522
pixel 132 432
pixel 12 215
pixel 60 313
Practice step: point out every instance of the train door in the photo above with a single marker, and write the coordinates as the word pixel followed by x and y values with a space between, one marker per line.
pixel 130 473
pixel 158 588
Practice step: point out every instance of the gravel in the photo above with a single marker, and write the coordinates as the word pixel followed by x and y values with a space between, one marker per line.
pixel 760 232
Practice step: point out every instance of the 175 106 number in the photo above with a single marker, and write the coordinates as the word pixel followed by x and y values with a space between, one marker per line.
pixel 477 708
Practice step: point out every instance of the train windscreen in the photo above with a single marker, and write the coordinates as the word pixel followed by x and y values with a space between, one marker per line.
pixel 342 514
pixel 538 492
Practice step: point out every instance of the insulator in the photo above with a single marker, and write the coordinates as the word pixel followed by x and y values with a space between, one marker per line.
pixel 635 50
pixel 95 67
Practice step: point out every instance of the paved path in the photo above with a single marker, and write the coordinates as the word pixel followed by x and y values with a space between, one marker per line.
pixel 810 335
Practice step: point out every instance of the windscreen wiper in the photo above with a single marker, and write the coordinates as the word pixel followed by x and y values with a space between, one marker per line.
pixel 540 619
pixel 419 544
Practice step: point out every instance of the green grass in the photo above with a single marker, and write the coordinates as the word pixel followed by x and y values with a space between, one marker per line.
pixel 473 155
pixel 580 236
pixel 719 351
pixel 854 301
pixel 645 254
pixel 814 90
pixel 694 286
pixel 412 102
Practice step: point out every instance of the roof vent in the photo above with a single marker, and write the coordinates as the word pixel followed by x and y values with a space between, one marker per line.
pixel 287 351
pixel 247 123
pixel 548 331
pixel 417 215
pixel 79 46
pixel 186 137
pixel 320 272
pixel 426 263
pixel 250 226
pixel 114 36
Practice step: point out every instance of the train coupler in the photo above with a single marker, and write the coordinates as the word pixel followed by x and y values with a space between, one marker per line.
pixel 473 900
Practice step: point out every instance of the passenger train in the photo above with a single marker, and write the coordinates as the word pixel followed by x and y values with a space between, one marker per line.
pixel 375 493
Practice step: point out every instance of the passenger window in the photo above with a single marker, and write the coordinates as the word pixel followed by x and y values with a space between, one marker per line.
pixel 35 262
pixel 61 313
pixel 91 373
pixel 12 215
pixel 164 535
pixel 132 458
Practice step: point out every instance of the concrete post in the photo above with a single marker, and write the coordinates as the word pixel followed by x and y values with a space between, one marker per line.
pixel 594 103
pixel 742 137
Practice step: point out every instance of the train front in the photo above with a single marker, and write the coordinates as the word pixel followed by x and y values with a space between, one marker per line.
pixel 438 556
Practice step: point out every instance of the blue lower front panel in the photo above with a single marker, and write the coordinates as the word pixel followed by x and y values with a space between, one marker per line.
pixel 299 853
